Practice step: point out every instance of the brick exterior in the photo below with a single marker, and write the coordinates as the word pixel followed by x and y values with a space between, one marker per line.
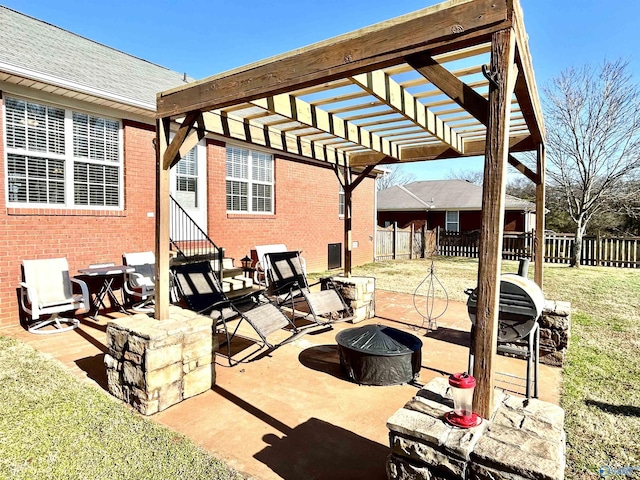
pixel 469 220
pixel 306 217
pixel 306 212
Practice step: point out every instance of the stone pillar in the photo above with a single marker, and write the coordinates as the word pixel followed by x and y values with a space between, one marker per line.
pixel 524 439
pixel 153 364
pixel 555 332
pixel 359 294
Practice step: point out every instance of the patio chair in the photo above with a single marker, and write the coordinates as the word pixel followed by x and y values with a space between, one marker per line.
pixel 202 292
pixel 262 266
pixel 141 283
pixel 47 289
pixel 287 282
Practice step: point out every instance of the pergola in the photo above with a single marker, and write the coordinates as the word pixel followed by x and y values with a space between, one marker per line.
pixel 449 81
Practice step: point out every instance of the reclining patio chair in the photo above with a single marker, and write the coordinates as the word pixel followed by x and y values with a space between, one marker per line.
pixel 202 292
pixel 141 284
pixel 287 282
pixel 47 289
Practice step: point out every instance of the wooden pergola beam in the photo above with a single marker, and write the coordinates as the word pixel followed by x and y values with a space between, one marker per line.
pixel 463 95
pixel 444 27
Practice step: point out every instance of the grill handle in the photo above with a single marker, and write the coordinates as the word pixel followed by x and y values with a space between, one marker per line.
pixel 523 267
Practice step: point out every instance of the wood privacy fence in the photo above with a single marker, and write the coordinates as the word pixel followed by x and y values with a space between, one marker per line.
pixel 596 250
pixel 396 243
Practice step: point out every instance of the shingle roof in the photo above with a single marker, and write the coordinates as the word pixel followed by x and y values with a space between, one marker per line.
pixel 441 195
pixel 36 46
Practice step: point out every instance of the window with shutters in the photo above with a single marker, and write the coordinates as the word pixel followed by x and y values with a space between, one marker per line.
pixel 249 181
pixel 61 158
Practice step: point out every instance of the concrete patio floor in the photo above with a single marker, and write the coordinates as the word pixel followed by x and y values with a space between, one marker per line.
pixel 291 413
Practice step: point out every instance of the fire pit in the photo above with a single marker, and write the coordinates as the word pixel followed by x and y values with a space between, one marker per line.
pixel 379 355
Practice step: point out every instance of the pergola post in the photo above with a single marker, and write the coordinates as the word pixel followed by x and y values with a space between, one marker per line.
pixel 540 216
pixel 348 216
pixel 502 82
pixel 162 221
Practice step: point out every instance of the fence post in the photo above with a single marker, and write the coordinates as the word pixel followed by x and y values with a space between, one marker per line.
pixel 411 241
pixel 598 242
pixel 423 248
pixel 395 238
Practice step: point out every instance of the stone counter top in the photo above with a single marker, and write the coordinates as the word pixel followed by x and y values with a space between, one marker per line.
pixel 524 439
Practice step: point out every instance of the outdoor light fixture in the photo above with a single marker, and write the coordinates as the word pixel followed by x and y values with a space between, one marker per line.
pixel 246 263
pixel 462 386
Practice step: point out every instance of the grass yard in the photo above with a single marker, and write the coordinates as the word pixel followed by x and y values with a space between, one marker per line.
pixel 53 426
pixel 600 395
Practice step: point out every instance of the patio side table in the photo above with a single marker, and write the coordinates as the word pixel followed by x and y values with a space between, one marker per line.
pixel 109 273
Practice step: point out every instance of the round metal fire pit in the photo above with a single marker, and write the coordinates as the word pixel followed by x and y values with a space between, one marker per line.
pixel 379 355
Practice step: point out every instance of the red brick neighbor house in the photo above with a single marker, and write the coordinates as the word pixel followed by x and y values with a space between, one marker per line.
pixel 453 205
pixel 78 170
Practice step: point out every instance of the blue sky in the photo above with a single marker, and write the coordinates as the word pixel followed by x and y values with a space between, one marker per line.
pixel 205 37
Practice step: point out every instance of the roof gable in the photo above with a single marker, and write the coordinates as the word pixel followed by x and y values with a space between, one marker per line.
pixel 441 195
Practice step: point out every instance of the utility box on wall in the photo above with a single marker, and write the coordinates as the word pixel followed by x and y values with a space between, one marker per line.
pixel 335 255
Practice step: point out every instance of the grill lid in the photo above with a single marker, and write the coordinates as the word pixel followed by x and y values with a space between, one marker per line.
pixel 378 340
pixel 521 303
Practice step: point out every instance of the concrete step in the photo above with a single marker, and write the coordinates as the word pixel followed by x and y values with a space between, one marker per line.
pixel 236 284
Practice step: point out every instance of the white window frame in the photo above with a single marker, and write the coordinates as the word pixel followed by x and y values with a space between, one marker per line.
pixel 68 158
pixel 341 202
pixel 448 222
pixel 189 177
pixel 250 182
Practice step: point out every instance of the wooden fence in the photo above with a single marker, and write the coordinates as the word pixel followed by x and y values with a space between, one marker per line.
pixel 397 243
pixel 596 250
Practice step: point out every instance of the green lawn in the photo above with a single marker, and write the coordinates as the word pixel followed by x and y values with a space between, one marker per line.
pixel 53 426
pixel 601 393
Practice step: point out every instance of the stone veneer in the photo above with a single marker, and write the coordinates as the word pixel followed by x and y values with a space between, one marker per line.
pixel 555 332
pixel 359 294
pixel 524 439
pixel 153 364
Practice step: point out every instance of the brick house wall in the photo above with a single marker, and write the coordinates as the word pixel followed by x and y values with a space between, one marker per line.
pixel 306 217
pixel 305 212
pixel 514 221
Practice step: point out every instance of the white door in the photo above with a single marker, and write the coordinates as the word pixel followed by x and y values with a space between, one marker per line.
pixel 189 188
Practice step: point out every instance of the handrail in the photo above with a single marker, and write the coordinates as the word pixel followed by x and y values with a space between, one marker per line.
pixel 190 240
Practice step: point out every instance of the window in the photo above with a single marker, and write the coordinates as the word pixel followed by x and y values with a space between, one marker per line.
pixel 61 158
pixel 341 202
pixel 249 181
pixel 453 221
pixel 187 179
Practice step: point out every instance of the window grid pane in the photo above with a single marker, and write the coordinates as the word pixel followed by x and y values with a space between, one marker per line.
pixel 34 127
pixel 35 179
pixel 255 170
pixel 96 185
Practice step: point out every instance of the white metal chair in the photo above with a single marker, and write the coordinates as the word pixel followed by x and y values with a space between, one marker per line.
pixel 47 289
pixel 141 283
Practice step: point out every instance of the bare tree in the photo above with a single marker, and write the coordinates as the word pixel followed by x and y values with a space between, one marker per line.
pixel 593 139
pixel 395 175
pixel 472 176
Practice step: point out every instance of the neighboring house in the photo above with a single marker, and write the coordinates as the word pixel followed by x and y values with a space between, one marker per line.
pixel 78 169
pixel 453 205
